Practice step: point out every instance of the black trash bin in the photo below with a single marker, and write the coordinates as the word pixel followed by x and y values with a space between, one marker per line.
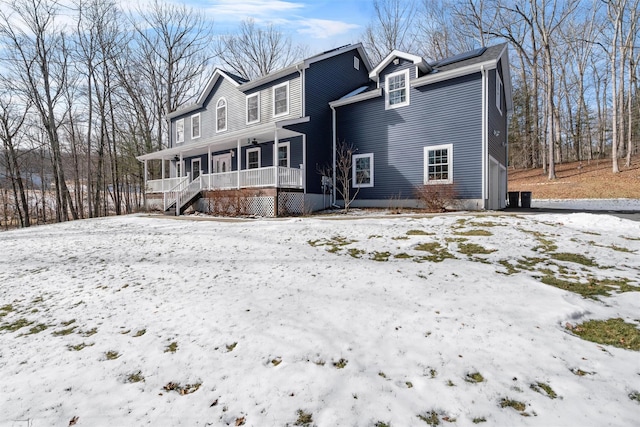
pixel 514 198
pixel 525 199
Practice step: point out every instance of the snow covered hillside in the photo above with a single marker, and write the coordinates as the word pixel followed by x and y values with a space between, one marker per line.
pixel 458 319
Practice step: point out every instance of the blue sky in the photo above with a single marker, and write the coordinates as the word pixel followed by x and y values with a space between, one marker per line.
pixel 319 24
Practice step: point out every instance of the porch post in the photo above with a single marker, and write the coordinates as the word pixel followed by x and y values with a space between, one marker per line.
pixel 275 156
pixel 209 171
pixel 183 169
pixel 162 160
pixel 146 175
pixel 239 165
pixel 304 163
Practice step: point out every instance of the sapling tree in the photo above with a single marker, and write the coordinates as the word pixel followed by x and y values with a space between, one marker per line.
pixel 344 175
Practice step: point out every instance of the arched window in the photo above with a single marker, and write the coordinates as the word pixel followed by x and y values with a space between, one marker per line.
pixel 221 115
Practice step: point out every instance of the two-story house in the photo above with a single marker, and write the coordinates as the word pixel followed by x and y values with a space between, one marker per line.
pixel 269 137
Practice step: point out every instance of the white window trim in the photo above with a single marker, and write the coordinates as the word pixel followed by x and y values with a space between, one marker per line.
pixel 195 160
pixel 354 182
pixel 199 126
pixel 251 150
pixel 226 108
pixel 356 63
pixel 498 92
pixel 288 145
pixel 406 88
pixel 449 148
pixel 178 139
pixel 273 95
pixel 253 95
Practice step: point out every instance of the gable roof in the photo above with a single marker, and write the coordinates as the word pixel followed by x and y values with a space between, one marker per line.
pixel 472 62
pixel 217 74
pixel 417 60
pixel 244 84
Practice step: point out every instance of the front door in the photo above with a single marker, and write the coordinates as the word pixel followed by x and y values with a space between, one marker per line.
pixel 195 168
pixel 221 163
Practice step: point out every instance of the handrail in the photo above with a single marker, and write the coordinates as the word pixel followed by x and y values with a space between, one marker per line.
pixel 193 188
pixel 170 197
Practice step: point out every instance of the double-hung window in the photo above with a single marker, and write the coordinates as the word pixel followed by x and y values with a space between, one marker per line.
pixel 179 130
pixel 498 92
pixel 281 99
pixel 397 89
pixel 253 158
pixel 195 126
pixel 283 154
pixel 362 170
pixel 221 115
pixel 438 164
pixel 253 108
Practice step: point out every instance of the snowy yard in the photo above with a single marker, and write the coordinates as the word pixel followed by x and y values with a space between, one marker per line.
pixel 390 321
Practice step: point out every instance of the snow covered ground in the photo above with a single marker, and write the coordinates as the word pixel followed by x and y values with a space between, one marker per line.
pixel 384 321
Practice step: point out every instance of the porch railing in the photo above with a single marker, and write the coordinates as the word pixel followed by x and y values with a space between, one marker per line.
pixel 162 185
pixel 221 181
pixel 260 177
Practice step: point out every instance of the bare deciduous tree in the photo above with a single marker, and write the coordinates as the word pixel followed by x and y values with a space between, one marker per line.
pixel 392 28
pixel 256 51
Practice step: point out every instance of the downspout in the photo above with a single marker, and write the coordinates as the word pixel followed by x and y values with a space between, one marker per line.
pixel 484 137
pixel 303 86
pixel 333 167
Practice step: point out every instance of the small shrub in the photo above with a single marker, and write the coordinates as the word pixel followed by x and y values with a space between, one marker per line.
pixel 171 348
pixel 437 197
pixel 479 420
pixel 140 333
pixel 231 347
pixel 635 395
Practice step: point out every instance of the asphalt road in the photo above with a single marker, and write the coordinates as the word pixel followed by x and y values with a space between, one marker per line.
pixel 632 215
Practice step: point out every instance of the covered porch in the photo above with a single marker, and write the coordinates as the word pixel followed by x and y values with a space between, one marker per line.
pixel 263 156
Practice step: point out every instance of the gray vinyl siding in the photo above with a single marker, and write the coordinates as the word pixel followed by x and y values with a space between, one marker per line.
pixel 237 108
pixel 266 100
pixel 326 81
pixel 448 112
pixel 497 121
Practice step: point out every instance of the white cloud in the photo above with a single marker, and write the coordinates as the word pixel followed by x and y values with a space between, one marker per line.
pixel 324 28
pixel 257 9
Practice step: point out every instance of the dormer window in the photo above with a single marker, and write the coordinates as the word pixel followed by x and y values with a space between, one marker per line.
pixel 221 115
pixel 397 89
